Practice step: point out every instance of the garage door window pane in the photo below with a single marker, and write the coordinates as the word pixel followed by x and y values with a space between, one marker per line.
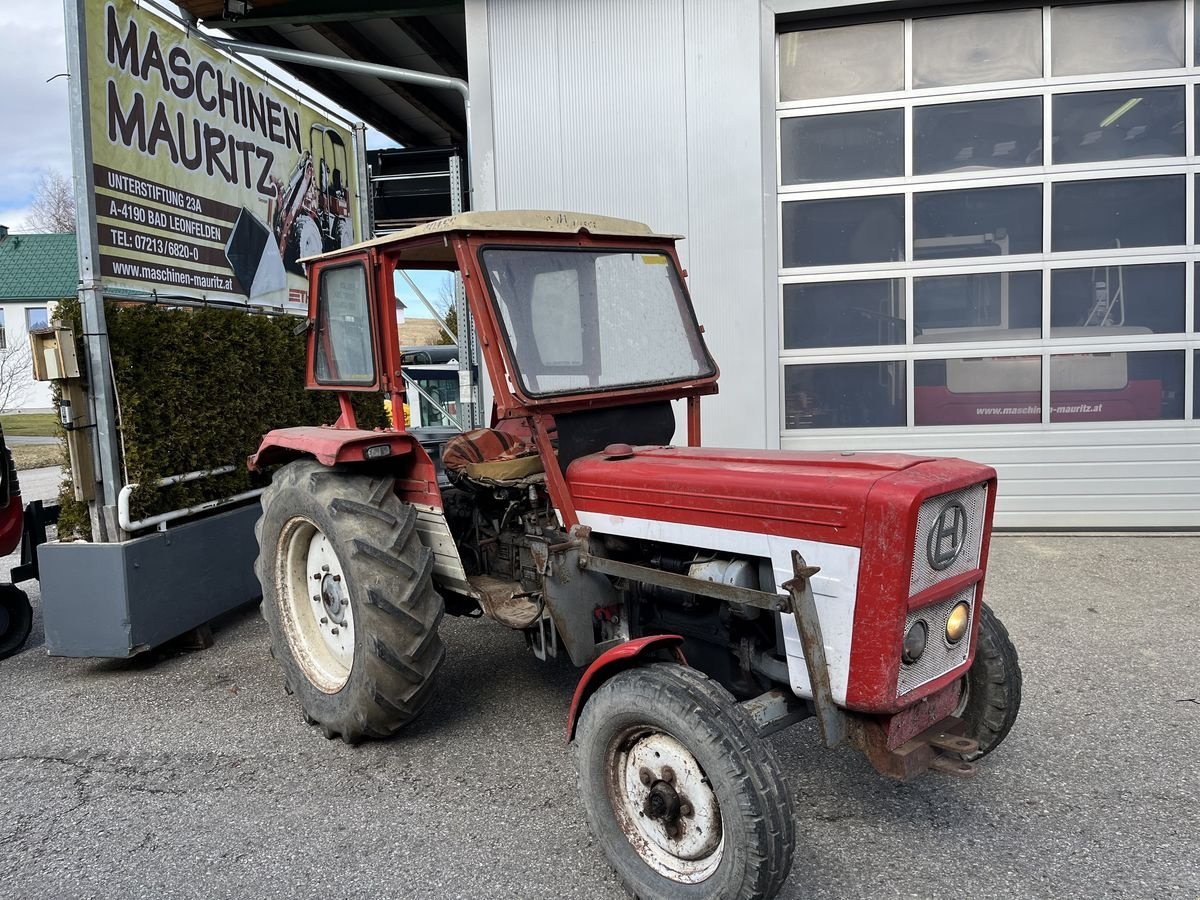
pixel 998 221
pixel 1107 301
pixel 834 62
pixel 988 390
pixel 1117 37
pixel 994 46
pixel 843 314
pixel 1116 387
pixel 978 306
pixel 844 395
pixel 1119 212
pixel 842 147
pixel 1099 125
pixel 985 134
pixel 843 231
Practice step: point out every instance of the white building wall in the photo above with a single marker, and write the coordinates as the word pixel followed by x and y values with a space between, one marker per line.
pixel 646 109
pixel 28 395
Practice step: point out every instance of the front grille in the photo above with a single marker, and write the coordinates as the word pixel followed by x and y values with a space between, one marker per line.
pixel 939 656
pixel 973 501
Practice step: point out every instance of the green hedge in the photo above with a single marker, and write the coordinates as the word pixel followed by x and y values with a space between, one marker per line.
pixel 197 389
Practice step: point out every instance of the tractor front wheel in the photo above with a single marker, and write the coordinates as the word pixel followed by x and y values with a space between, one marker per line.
pixel 347 596
pixel 16 619
pixel 685 798
pixel 991 689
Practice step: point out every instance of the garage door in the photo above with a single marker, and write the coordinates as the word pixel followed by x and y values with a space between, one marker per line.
pixel 987 248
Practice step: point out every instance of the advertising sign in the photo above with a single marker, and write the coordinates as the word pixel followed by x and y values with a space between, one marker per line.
pixel 209 179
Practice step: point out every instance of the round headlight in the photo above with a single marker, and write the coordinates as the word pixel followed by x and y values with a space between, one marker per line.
pixel 914 641
pixel 956 625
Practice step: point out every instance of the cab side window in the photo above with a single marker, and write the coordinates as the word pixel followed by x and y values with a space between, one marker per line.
pixel 343 341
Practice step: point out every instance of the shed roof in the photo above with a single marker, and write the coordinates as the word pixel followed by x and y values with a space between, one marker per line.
pixel 38 267
pixel 531 220
pixel 426 35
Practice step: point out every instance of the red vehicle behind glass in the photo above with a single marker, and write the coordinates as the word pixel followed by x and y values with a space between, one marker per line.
pixel 713 596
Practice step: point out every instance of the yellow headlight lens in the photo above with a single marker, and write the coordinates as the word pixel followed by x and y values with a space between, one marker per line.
pixel 956 625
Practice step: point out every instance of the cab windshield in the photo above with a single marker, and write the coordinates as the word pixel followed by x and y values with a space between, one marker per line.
pixel 578 320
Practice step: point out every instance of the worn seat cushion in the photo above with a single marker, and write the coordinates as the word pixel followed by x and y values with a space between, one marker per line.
pixel 486 453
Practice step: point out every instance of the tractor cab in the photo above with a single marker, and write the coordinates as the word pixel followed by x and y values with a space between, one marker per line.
pixel 585 325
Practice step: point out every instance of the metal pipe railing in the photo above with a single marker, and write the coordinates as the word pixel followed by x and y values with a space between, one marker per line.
pixel 162 518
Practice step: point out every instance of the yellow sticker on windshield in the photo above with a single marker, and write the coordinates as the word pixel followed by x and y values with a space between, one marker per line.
pixel 655 260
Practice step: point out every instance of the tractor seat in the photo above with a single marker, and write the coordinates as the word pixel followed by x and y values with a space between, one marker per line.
pixel 488 456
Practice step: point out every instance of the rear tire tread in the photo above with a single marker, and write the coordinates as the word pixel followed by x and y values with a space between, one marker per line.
pixel 396 609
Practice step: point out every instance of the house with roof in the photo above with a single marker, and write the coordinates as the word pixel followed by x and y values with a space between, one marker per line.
pixel 36 272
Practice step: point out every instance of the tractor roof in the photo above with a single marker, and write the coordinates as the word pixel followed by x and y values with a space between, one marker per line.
pixel 523 220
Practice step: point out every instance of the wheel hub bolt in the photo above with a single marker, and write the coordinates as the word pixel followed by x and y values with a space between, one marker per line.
pixel 333 630
pixel 316 598
pixel 324 620
pixel 645 775
pixel 324 568
pixel 662 804
pixel 685 809
pixel 668 774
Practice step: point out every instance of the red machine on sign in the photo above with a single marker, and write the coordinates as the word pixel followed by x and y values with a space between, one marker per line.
pixel 312 212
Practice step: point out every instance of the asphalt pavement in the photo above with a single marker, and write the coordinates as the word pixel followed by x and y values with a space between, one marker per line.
pixel 193 774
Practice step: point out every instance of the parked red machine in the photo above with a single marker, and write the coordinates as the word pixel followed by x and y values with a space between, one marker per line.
pixel 16 615
pixel 714 595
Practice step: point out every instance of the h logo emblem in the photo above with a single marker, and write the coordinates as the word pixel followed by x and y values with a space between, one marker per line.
pixel 946 538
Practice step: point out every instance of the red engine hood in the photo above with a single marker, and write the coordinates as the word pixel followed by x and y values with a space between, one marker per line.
pixel 810 496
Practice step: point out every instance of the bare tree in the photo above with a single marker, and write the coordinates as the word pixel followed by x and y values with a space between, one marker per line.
pixel 53 208
pixel 16 375
pixel 448 308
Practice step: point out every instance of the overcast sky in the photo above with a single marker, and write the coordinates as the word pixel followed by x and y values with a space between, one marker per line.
pixel 34 127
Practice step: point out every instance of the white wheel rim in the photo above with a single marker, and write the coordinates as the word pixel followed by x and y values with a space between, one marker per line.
pixel 318 618
pixel 666 806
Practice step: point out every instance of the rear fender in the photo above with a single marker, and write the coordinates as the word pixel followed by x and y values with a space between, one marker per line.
pixel 621 657
pixel 329 446
pixel 416 475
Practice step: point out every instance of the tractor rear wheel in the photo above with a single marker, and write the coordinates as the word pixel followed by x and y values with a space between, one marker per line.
pixel 348 598
pixel 16 619
pixel 685 798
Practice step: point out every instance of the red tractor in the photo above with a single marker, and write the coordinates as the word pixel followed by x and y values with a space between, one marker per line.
pixel 713 596
pixel 16 615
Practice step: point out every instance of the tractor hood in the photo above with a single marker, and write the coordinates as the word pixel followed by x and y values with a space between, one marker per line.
pixel 811 496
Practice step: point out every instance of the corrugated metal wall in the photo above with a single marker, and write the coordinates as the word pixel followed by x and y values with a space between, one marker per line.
pixel 647 109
